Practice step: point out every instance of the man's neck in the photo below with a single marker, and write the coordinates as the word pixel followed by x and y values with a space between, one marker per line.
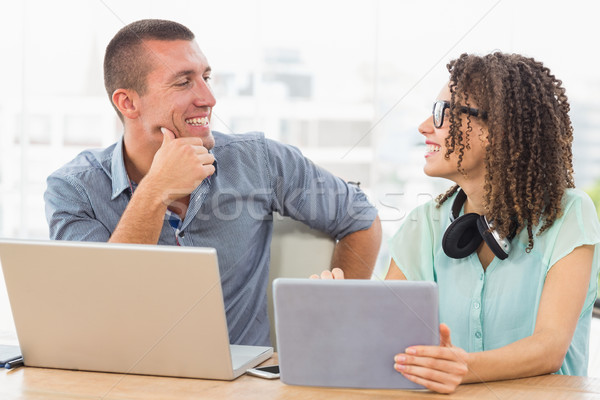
pixel 137 163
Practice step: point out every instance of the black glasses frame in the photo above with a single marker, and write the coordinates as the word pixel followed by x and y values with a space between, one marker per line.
pixel 439 109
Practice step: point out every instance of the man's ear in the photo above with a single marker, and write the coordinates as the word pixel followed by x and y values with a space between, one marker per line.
pixel 127 101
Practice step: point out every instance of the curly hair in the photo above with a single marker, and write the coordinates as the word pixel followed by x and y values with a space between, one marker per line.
pixel 528 157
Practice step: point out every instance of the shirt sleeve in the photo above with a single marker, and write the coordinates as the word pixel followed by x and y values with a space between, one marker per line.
pixel 578 226
pixel 308 193
pixel 412 247
pixel 69 212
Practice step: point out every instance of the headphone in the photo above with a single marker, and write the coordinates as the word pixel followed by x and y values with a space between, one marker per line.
pixel 465 233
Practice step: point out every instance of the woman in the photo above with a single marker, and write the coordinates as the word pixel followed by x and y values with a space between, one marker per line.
pixel 512 245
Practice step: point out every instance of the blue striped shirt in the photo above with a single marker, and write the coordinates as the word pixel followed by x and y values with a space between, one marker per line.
pixel 230 211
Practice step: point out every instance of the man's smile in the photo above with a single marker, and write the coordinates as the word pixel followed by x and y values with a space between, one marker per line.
pixel 197 121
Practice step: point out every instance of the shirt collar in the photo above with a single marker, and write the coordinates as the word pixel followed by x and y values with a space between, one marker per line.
pixel 215 163
pixel 120 179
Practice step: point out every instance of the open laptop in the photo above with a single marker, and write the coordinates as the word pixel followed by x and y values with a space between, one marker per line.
pixel 139 309
pixel 346 333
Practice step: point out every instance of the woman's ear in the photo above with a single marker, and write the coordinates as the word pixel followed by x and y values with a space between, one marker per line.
pixel 483 136
pixel 127 102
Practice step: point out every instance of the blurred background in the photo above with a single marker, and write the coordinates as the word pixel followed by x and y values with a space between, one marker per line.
pixel 347 82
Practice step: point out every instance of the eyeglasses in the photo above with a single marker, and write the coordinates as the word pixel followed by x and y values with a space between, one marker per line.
pixel 439 109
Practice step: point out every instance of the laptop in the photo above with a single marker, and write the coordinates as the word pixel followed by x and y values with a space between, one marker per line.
pixel 134 309
pixel 346 333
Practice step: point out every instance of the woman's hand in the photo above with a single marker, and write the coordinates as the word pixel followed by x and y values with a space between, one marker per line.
pixel 335 273
pixel 438 368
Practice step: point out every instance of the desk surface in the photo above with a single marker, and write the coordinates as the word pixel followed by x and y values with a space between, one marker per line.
pixel 52 384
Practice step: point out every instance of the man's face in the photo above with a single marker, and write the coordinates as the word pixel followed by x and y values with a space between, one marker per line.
pixel 178 95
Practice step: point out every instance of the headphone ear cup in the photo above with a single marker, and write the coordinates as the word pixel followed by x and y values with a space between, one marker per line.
pixel 489 239
pixel 462 237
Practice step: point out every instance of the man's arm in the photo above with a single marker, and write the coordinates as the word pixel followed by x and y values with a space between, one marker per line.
pixel 356 252
pixel 143 218
pixel 310 194
pixel 179 166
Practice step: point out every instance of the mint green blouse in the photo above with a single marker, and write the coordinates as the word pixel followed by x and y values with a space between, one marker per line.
pixel 491 309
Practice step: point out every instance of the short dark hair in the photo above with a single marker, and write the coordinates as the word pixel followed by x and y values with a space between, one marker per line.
pixel 126 65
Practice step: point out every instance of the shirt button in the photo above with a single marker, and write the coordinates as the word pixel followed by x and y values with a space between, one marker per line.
pixel 476 305
pixel 478 335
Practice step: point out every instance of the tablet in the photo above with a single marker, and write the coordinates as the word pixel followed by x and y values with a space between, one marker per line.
pixel 345 333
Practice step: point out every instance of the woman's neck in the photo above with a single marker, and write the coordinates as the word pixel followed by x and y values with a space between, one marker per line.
pixel 475 196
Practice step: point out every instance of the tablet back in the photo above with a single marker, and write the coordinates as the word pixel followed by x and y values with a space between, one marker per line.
pixel 346 333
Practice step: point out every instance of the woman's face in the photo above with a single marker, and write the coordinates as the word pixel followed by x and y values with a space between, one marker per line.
pixel 435 138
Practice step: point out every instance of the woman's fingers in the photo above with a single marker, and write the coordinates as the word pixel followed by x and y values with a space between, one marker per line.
pixel 335 273
pixel 444 386
pixel 446 365
pixel 445 336
pixel 438 352
pixel 442 376
pixel 326 275
pixel 438 368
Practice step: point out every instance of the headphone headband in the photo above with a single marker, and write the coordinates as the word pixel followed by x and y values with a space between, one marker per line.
pixel 457 204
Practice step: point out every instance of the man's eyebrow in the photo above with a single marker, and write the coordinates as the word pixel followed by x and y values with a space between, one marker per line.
pixel 188 72
pixel 179 74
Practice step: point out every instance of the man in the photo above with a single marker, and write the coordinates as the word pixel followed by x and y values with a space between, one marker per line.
pixel 173 181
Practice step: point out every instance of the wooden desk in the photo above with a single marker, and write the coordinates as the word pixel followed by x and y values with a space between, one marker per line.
pixel 52 384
